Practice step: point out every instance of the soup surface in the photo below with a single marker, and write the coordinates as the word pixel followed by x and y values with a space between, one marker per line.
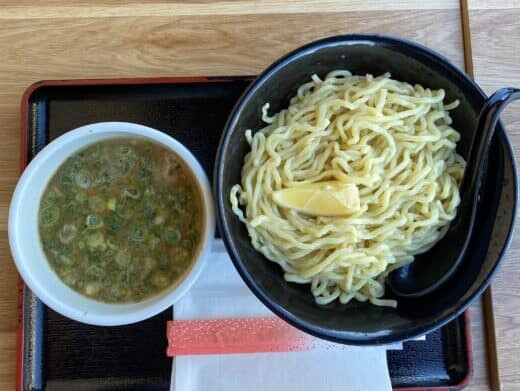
pixel 121 220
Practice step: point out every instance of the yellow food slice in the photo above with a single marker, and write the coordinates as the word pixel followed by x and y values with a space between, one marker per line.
pixel 320 199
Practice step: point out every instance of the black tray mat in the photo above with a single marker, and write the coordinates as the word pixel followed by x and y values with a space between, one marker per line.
pixel 61 354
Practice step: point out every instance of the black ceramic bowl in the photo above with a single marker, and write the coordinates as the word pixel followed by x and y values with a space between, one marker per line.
pixel 363 323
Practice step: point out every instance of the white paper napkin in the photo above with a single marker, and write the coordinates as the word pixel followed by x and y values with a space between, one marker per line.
pixel 221 293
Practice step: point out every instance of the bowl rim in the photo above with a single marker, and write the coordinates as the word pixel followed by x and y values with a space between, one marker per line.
pixel 80 138
pixel 412 49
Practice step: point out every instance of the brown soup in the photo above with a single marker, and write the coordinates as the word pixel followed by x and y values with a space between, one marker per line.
pixel 121 220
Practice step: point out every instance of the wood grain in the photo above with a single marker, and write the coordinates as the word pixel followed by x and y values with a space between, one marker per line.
pixel 481 379
pixel 494 4
pixel 27 9
pixel 493 367
pixel 109 38
pixel 206 45
pixel 496 58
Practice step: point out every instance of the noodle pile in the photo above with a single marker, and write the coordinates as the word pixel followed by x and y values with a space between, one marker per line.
pixel 389 138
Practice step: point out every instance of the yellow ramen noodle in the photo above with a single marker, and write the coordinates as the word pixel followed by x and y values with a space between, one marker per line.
pixel 390 139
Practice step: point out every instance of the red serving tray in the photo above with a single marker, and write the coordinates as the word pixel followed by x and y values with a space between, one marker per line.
pixel 30 310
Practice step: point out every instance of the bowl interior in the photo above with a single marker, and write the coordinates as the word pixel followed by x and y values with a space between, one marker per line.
pixel 28 252
pixel 356 322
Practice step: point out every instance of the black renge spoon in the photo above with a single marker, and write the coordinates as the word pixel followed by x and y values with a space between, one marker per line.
pixel 432 268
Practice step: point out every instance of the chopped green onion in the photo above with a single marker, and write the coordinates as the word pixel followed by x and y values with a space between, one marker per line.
pixel 125 150
pixel 97 152
pixel 152 240
pixel 81 196
pixel 146 162
pixel 122 258
pixel 77 161
pixel 82 179
pixel 148 213
pixel 95 271
pixel 68 233
pixel 131 193
pixel 111 245
pixel 67 178
pixel 172 236
pixel 148 264
pixel 137 234
pixel 124 165
pixel 117 292
pixel 53 197
pixel 114 222
pixel 185 195
pixel 49 216
pixel 96 241
pixel 149 192
pixel 104 178
pixel 64 259
pixel 94 221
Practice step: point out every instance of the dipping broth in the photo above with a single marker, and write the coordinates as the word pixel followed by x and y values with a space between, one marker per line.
pixel 121 220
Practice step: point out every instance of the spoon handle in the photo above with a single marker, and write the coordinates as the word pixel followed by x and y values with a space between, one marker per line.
pixel 487 122
pixel 430 270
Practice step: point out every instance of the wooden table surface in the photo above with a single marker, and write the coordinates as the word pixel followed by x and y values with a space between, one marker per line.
pixel 61 39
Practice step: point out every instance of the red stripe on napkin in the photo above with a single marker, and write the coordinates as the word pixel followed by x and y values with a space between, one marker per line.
pixel 236 335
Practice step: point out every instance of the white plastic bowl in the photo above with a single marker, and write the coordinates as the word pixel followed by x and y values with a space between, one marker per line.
pixel 28 253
